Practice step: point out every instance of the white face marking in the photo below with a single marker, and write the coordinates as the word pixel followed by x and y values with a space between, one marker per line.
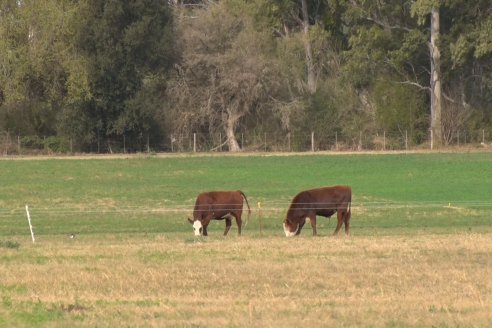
pixel 288 233
pixel 197 228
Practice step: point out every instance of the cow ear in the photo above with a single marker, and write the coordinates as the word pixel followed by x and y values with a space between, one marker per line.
pixel 190 220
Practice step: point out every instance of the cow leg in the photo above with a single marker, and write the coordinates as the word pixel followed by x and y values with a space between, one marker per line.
pixel 347 222
pixel 239 222
pixel 228 222
pixel 339 222
pixel 205 232
pixel 312 218
pixel 301 224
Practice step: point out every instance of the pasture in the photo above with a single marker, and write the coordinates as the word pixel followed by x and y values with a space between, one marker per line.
pixel 420 253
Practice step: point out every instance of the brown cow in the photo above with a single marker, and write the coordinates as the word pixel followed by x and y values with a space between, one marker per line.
pixel 218 205
pixel 323 201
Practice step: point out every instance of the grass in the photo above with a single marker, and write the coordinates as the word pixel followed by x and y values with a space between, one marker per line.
pixel 135 280
pixel 420 252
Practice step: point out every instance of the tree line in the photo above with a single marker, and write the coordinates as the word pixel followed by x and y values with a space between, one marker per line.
pixel 90 70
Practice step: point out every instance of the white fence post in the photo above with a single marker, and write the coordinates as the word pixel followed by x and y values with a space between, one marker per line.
pixel 194 142
pixel 30 225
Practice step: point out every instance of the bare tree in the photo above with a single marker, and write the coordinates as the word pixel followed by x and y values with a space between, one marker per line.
pixel 224 74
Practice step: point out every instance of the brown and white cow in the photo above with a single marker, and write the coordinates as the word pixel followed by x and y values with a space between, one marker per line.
pixel 218 205
pixel 322 201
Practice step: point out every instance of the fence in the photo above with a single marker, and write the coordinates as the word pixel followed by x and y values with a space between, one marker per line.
pixel 253 142
pixel 367 216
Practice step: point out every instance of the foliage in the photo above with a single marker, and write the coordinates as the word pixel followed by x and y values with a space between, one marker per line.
pixel 92 70
pixel 389 99
pixel 32 54
pixel 226 75
pixel 127 48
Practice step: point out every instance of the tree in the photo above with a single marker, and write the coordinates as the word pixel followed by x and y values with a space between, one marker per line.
pixel 468 91
pixel 33 39
pixel 124 49
pixel 225 72
pixel 422 8
pixel 433 45
pixel 311 75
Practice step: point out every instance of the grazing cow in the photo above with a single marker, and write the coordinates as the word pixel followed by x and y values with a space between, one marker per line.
pixel 218 205
pixel 323 201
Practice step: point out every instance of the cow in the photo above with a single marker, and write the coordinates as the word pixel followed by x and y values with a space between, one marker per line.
pixel 322 201
pixel 218 205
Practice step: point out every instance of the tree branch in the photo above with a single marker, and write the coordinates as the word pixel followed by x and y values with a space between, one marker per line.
pixel 415 84
pixel 378 21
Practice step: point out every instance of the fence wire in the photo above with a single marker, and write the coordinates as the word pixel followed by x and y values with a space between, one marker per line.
pixel 273 207
pixel 269 141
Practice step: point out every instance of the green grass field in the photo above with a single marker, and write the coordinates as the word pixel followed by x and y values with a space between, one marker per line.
pixel 419 254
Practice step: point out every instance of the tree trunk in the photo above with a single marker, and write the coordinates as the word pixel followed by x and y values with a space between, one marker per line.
pixel 311 74
pixel 231 138
pixel 435 82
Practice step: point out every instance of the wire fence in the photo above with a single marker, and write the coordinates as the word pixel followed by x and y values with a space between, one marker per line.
pixel 268 207
pixel 368 217
pixel 12 144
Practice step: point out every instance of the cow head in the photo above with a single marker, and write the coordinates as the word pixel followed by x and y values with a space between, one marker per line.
pixel 288 227
pixel 197 227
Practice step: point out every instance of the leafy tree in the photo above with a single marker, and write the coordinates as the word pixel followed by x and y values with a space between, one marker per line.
pixel 124 50
pixel 389 98
pixel 432 45
pixel 33 40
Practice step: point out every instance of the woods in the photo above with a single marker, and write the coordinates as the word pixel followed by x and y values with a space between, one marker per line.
pixel 89 71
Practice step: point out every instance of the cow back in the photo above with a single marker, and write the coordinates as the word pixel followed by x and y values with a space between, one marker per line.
pixel 217 203
pixel 322 201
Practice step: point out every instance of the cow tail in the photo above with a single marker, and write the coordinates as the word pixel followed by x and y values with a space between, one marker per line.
pixel 349 213
pixel 246 199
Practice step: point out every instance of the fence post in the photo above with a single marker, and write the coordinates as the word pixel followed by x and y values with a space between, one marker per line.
pixel 259 219
pixel 220 141
pixel 432 139
pixel 406 139
pixel 483 136
pixel 30 224
pixel 288 142
pixel 312 141
pixel 148 143
pixel 194 142
pixel 124 144
pixel 242 141
pixel 18 144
